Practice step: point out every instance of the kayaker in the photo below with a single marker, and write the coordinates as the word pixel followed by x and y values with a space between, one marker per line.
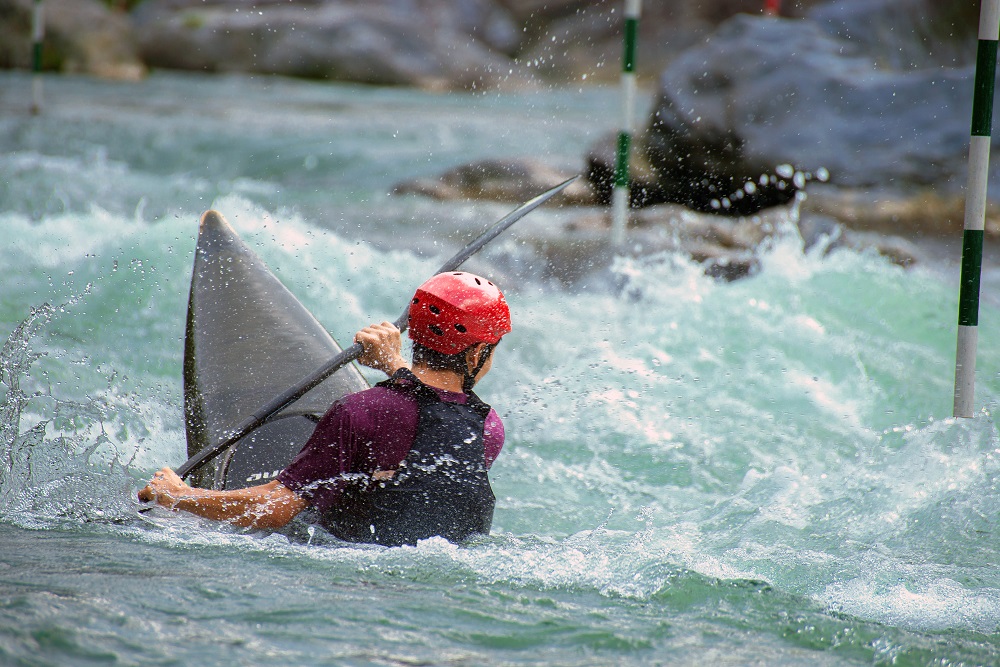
pixel 404 460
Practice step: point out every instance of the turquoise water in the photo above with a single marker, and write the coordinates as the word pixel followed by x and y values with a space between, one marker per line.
pixel 759 472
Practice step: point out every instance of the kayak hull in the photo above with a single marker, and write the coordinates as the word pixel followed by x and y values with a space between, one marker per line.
pixel 247 340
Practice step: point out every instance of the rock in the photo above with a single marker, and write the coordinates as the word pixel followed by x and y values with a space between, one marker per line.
pixel 437 44
pixel 585 45
pixel 500 180
pixel 764 92
pixel 727 247
pixel 922 213
pixel 644 185
pixel 81 37
pixel 819 231
pixel 393 42
pixel 541 12
pixel 904 34
pixel 582 41
pixel 485 20
pixel 897 250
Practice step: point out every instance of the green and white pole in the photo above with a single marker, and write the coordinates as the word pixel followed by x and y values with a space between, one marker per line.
pixel 620 196
pixel 37 36
pixel 975 208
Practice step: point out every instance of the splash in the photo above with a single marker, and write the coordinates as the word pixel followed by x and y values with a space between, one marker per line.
pixel 64 467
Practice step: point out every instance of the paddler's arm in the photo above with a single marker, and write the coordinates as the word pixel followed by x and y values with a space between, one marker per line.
pixel 383 348
pixel 269 505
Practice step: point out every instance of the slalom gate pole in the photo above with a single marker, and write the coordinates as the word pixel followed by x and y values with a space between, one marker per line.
pixel 37 36
pixel 975 208
pixel 620 195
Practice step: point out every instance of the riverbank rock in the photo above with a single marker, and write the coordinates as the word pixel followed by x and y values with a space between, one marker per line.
pixel 904 34
pixel 764 92
pixel 644 185
pixel 582 40
pixel 393 42
pixel 775 187
pixel 501 180
pixel 728 247
pixel 924 213
pixel 453 44
pixel 81 37
pixel 578 250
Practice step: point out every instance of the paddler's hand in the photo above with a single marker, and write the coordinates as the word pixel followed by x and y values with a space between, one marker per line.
pixel 166 488
pixel 382 347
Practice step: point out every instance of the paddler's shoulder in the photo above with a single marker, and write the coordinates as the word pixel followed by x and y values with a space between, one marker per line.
pixel 372 397
pixel 404 382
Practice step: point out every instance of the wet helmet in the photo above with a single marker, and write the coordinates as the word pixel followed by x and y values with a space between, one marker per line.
pixel 454 310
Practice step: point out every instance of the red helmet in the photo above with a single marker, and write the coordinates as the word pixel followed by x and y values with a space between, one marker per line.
pixel 452 311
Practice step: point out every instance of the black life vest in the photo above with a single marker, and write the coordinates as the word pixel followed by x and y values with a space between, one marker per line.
pixel 441 487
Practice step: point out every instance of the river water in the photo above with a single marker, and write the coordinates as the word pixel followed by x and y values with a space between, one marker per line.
pixel 757 472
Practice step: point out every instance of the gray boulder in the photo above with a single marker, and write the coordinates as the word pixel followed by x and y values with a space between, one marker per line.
pixel 581 40
pixel 763 92
pixel 457 44
pixel 81 37
pixel 925 213
pixel 577 248
pixel 426 43
pixel 501 180
pixel 905 34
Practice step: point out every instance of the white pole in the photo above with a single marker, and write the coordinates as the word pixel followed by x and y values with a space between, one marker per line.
pixel 620 194
pixel 975 208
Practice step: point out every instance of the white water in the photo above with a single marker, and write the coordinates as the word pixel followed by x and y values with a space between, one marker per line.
pixel 764 470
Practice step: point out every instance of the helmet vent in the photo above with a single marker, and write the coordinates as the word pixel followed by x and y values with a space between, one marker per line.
pixel 453 310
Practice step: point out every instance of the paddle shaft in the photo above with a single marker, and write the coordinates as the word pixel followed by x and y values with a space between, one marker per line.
pixel 297 391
